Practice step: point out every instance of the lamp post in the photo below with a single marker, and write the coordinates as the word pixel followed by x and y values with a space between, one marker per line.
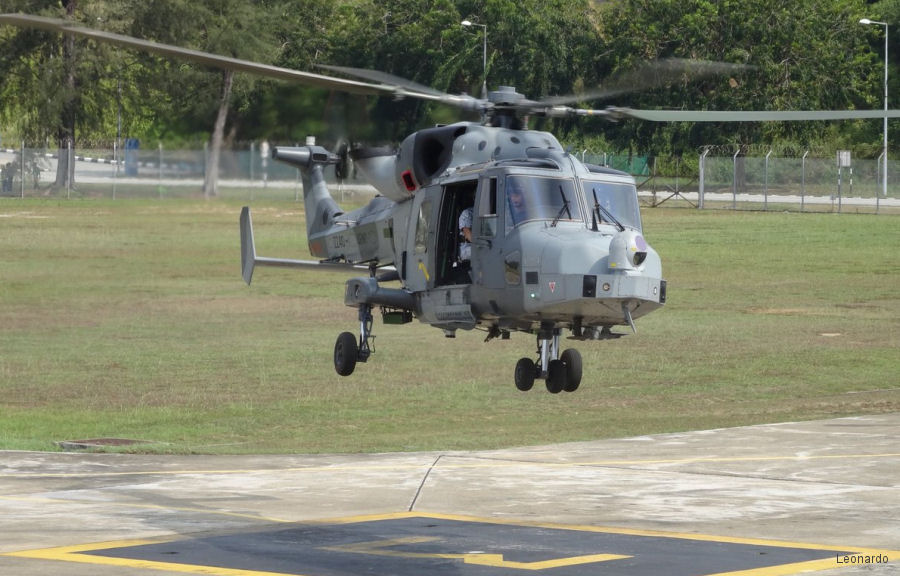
pixel 468 23
pixel 884 179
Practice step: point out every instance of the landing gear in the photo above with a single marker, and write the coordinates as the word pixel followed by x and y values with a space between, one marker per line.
pixel 525 374
pixel 571 358
pixel 556 377
pixel 561 373
pixel 347 352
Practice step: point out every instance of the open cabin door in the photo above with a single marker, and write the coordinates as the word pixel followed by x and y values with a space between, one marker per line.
pixel 451 267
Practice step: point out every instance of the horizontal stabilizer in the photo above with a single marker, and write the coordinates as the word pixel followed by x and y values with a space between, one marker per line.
pixel 249 259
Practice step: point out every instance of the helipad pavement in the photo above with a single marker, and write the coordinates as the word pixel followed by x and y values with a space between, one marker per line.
pixel 761 500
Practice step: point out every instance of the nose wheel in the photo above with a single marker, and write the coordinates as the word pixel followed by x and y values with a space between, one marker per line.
pixel 561 372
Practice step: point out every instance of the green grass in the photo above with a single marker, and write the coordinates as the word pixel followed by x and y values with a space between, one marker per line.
pixel 129 319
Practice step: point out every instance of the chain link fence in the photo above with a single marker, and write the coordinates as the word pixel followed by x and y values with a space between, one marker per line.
pixel 763 182
pixel 142 173
pixel 707 180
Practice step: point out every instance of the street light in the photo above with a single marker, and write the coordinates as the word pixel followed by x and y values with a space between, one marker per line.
pixel 866 22
pixel 468 23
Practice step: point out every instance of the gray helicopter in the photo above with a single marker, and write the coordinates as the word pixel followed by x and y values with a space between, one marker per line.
pixel 477 225
pixel 553 244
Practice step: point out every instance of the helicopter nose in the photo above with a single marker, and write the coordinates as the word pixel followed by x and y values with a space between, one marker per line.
pixel 602 280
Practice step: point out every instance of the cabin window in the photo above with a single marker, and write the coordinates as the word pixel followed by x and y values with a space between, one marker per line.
pixel 422 227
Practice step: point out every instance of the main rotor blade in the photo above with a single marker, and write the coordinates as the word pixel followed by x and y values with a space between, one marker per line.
pixel 215 60
pixel 407 88
pixel 383 78
pixel 749 116
pixel 648 76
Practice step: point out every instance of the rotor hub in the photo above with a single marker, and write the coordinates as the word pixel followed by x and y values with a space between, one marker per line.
pixel 505 96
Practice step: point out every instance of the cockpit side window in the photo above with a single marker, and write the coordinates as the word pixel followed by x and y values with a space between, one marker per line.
pixel 538 198
pixel 487 211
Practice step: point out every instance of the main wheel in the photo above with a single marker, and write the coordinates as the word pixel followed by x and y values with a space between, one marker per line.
pixel 572 359
pixel 556 376
pixel 346 351
pixel 525 374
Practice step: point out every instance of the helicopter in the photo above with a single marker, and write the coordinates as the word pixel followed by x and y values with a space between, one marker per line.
pixel 483 225
pixel 555 244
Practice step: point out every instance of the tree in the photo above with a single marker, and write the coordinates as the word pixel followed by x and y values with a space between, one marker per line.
pixel 806 55
pixel 809 55
pixel 62 87
pixel 41 83
pixel 232 28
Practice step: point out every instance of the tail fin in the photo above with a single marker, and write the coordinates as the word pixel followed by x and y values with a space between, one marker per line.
pixel 320 207
pixel 248 248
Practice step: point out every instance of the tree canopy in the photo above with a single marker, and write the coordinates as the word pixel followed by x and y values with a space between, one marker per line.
pixel 810 54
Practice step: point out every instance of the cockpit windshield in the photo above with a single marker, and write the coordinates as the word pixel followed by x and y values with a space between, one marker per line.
pixel 618 199
pixel 540 198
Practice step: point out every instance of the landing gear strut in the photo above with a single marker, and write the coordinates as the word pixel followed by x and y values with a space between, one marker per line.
pixel 561 372
pixel 347 351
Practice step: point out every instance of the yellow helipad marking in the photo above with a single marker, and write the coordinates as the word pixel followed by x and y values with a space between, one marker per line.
pixel 77 554
pixel 82 553
pixel 382 548
pixel 447 465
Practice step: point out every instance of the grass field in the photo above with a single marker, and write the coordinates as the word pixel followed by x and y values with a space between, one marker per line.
pixel 129 319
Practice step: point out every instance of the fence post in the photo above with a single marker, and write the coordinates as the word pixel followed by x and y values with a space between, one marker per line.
pixel 159 171
pixel 803 180
pixel 70 168
pixel 22 171
pixel 766 184
pixel 702 182
pixel 878 170
pixel 734 179
pixel 115 174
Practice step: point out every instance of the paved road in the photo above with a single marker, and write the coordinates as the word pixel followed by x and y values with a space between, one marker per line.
pixel 772 499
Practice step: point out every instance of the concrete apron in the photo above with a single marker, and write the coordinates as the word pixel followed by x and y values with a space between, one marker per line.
pixel 831 485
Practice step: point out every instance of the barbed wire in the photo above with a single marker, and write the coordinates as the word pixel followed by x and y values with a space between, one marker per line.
pixel 782 151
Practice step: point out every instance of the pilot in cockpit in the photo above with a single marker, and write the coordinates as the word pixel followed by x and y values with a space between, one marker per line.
pixel 465 232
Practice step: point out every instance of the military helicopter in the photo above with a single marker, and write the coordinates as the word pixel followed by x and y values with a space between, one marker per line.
pixel 554 244
pixel 477 225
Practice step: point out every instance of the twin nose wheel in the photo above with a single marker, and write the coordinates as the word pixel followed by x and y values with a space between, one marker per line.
pixel 563 374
